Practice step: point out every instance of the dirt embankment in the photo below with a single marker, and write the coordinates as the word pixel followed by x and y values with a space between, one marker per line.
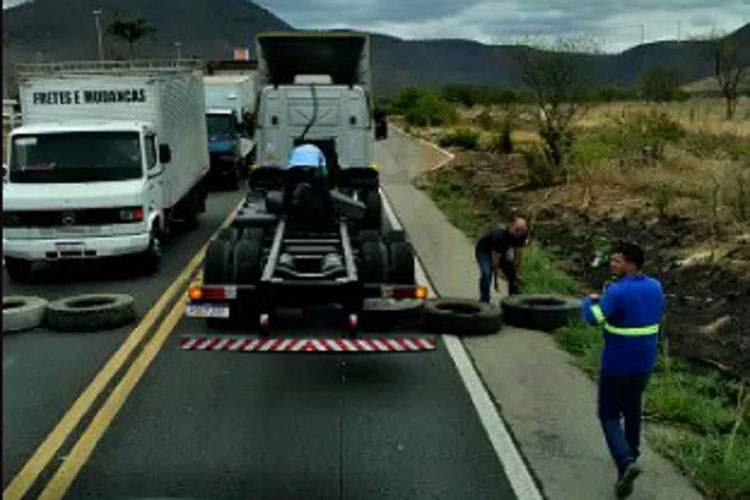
pixel 707 285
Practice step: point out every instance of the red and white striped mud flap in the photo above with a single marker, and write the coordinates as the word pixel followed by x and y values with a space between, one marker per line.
pixel 364 345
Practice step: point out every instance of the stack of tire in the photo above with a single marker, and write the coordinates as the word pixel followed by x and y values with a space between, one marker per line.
pixel 82 313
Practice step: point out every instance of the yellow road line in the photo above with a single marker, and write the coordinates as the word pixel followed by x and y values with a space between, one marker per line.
pixel 63 478
pixel 23 481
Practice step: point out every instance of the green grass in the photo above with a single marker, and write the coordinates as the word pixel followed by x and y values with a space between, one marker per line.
pixel 709 437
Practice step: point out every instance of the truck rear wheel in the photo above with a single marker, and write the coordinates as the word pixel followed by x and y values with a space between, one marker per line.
pixel 247 255
pixel 401 260
pixel 374 260
pixel 19 270
pixel 216 263
pixel 373 209
pixel 229 234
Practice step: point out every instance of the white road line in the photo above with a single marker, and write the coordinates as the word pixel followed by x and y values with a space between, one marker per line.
pixel 515 468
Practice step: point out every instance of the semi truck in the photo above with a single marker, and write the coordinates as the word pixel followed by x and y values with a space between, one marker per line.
pixel 230 107
pixel 279 252
pixel 109 155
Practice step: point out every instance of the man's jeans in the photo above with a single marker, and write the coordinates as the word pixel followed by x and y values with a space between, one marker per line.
pixel 485 274
pixel 620 398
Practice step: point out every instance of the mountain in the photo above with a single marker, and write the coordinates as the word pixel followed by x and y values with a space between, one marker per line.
pixel 65 29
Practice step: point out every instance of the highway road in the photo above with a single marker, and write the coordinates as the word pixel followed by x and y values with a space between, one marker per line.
pixel 126 413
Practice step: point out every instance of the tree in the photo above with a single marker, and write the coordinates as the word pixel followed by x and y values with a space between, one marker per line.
pixel 130 31
pixel 555 74
pixel 730 63
pixel 660 84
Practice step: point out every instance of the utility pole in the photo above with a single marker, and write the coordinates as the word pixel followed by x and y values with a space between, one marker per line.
pixel 178 45
pixel 97 13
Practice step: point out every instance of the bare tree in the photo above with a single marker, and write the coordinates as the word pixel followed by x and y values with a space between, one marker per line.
pixel 555 74
pixel 730 63
pixel 130 31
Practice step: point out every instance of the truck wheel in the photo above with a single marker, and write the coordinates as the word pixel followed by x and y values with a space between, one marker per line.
pixel 252 234
pixel 216 263
pixel 150 259
pixel 229 234
pixel 23 313
pixel 401 260
pixel 86 313
pixel 394 235
pixel 369 235
pixel 19 270
pixel 539 311
pixel 461 316
pixel 374 259
pixel 247 255
pixel 373 209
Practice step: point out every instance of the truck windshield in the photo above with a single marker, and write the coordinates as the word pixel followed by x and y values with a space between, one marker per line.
pixel 219 125
pixel 76 157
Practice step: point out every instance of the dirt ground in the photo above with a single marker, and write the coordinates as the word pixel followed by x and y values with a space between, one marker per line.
pixel 708 291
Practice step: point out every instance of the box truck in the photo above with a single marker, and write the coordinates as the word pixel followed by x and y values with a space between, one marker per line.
pixel 108 156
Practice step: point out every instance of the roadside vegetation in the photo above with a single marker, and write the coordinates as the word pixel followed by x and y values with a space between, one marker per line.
pixel 664 159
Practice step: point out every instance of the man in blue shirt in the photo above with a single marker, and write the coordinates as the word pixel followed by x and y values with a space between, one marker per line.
pixel 629 311
pixel 309 193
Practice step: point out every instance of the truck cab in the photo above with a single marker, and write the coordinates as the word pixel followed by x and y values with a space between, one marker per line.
pixel 224 146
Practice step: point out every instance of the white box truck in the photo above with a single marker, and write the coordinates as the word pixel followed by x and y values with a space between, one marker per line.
pixel 230 109
pixel 109 154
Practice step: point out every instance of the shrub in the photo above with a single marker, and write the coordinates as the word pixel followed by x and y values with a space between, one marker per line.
pixel 641 138
pixel 540 170
pixel 462 138
pixel 484 120
pixel 503 142
pixel 422 108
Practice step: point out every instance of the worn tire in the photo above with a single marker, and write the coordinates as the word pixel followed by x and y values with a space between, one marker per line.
pixel 252 234
pixel 374 260
pixel 230 234
pixel 85 313
pixel 401 263
pixel 23 313
pixel 373 209
pixel 19 270
pixel 246 267
pixel 539 312
pixel 391 314
pixel 216 265
pixel 461 316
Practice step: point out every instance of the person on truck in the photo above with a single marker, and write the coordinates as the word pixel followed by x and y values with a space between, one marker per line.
pixel 500 249
pixel 307 182
pixel 629 311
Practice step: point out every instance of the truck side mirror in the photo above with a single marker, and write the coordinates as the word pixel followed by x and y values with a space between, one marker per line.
pixel 165 154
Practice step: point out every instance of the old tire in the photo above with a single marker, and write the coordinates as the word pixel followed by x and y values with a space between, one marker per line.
pixel 391 314
pixel 228 234
pixel 374 259
pixel 23 313
pixel 461 316
pixel 19 270
pixel 246 262
pixel 216 265
pixel 85 313
pixel 538 311
pixel 401 263
pixel 373 209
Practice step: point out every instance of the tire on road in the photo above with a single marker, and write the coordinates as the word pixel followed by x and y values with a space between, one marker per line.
pixel 374 259
pixel 93 312
pixel 391 314
pixel 539 311
pixel 23 313
pixel 216 264
pixel 246 267
pixel 461 316
pixel 401 263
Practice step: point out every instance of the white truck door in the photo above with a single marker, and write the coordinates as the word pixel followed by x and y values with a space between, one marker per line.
pixel 155 193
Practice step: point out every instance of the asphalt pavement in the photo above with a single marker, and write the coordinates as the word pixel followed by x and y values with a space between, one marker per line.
pixel 213 424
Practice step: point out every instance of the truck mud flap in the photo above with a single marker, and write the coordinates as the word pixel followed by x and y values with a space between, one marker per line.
pixel 307 345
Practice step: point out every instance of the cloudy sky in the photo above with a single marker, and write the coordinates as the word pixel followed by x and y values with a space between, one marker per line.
pixel 615 24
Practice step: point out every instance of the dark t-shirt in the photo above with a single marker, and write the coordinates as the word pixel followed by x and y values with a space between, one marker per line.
pixel 497 239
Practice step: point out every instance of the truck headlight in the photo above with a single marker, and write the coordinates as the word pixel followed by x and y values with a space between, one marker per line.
pixel 131 214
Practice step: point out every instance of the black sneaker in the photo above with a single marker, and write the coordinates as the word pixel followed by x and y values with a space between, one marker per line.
pixel 624 486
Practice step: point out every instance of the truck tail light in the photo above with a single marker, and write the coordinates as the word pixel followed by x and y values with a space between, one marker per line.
pixel 405 292
pixel 212 292
pixel 132 214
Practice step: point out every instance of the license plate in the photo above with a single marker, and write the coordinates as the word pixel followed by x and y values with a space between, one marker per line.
pixel 207 311
pixel 69 247
pixel 72 230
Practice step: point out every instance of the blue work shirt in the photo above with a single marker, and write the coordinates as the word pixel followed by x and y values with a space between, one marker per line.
pixel 308 155
pixel 630 311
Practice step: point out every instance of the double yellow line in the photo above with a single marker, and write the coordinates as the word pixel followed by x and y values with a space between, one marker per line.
pixel 67 472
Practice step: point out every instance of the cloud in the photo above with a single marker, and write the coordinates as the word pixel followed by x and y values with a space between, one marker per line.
pixel 616 25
